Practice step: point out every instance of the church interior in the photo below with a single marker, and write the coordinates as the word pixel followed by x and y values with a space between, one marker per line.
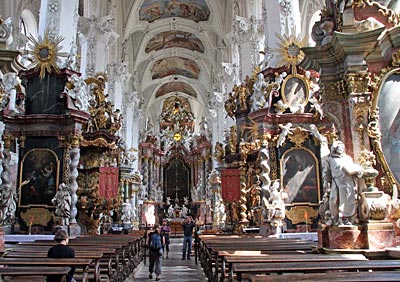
pixel 255 117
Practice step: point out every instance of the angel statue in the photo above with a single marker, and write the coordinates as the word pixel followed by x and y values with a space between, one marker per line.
pixel 286 129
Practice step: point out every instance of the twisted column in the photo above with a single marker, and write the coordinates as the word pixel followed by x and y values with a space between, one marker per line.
pixel 265 170
pixel 243 195
pixel 8 196
pixel 73 168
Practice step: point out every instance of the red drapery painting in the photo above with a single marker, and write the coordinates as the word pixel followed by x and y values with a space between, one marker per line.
pixel 230 180
pixel 108 182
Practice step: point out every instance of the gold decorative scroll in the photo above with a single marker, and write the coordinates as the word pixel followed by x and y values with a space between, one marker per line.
pixel 36 216
pixel 98 142
pixel 299 214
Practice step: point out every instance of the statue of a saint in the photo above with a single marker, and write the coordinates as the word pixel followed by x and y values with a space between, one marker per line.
pixel 62 200
pixel 339 173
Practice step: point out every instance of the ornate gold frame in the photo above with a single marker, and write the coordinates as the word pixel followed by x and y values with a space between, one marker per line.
pixel 374 130
pixel 21 173
pixel 317 173
pixel 304 83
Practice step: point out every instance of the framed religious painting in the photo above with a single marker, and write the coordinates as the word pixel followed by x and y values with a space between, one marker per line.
pixel 39 174
pixel 295 93
pixel 385 125
pixel 300 171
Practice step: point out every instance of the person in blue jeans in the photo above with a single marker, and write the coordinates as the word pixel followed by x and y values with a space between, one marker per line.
pixel 188 224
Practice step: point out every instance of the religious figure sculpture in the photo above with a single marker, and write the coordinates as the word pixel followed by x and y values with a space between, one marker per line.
pixel 184 211
pixel 259 101
pixel 171 212
pixel 126 212
pixel 339 175
pixel 255 194
pixel 219 212
pixel 62 200
pixel 276 209
pixel 286 129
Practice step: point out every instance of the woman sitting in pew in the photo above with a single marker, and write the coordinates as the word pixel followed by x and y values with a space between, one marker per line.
pixel 61 251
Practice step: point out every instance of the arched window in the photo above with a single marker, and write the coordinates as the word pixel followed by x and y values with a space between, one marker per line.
pixel 315 18
pixel 28 25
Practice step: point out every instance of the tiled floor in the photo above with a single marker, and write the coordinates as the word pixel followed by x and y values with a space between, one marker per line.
pixel 173 269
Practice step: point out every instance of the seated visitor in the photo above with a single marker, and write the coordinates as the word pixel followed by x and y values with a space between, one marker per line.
pixel 61 250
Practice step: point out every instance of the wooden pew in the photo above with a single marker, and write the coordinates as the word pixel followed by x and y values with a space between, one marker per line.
pixel 50 262
pixel 331 277
pixel 313 266
pixel 249 257
pixel 103 257
pixel 32 274
pixel 211 250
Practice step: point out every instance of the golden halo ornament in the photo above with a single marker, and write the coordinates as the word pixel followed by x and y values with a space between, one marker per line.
pixel 290 49
pixel 46 53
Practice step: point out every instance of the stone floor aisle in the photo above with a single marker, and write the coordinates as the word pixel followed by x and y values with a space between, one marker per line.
pixel 173 269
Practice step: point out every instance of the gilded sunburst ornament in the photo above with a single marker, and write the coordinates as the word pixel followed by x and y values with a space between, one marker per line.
pixel 290 49
pixel 46 53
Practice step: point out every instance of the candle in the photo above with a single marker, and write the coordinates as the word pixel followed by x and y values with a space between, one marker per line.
pixel 306 217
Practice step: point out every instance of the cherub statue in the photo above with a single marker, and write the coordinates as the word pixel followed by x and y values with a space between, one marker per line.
pixel 286 129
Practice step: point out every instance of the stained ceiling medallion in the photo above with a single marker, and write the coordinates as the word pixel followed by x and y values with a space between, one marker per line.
pixel 46 53
pixel 290 49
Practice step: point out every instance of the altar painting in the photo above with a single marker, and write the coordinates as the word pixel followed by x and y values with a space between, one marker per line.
pixel 175 66
pixel 196 10
pixel 39 171
pixel 171 39
pixel 389 122
pixel 176 87
pixel 299 168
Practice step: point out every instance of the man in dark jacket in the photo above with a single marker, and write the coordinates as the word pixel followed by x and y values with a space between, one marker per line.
pixel 187 225
pixel 61 251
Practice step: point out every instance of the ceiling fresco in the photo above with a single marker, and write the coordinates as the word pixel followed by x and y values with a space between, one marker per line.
pixel 175 66
pixel 176 87
pixel 196 10
pixel 170 39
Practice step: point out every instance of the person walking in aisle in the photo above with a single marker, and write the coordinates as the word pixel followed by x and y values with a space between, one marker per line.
pixel 165 231
pixel 188 224
pixel 155 252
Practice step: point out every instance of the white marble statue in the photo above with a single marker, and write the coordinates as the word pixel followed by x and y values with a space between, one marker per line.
pixel 62 200
pixel 286 129
pixel 276 211
pixel 78 92
pixel 340 174
pixel 171 212
pixel 126 212
pixel 316 106
pixel 184 212
pixel 258 94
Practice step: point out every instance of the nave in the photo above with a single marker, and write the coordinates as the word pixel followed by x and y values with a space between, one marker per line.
pixel 173 268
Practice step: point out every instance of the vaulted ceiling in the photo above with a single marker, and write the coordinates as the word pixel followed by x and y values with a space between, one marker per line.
pixel 172 48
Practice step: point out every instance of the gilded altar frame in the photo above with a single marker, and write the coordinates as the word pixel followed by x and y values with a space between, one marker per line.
pixel 38 178
pixel 384 125
pixel 295 87
pixel 305 166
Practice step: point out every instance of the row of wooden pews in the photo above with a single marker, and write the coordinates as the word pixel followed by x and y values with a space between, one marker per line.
pixel 261 259
pixel 97 257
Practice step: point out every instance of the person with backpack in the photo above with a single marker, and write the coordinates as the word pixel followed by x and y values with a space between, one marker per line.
pixel 156 242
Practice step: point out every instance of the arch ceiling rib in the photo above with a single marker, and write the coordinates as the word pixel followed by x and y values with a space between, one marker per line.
pixel 196 10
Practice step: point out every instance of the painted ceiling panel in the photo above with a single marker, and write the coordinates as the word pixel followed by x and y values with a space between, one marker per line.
pixel 170 39
pixel 176 87
pixel 196 10
pixel 175 66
